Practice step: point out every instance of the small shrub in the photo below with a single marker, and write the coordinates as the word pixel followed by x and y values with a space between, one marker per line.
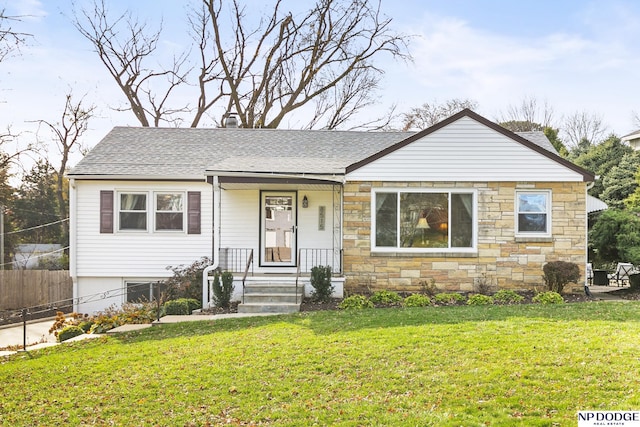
pixel 507 296
pixel 483 285
pixel 222 288
pixel 417 300
pixel 181 306
pixel 548 297
pixel 355 302
pixel 178 307
pixel 558 273
pixel 429 288
pixel 321 283
pixel 69 332
pixel 103 323
pixel 186 281
pixel 86 326
pixel 128 313
pixel 385 297
pixel 61 321
pixel 448 298
pixel 479 299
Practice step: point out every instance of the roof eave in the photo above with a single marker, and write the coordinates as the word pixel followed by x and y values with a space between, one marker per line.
pixel 328 176
pixel 126 177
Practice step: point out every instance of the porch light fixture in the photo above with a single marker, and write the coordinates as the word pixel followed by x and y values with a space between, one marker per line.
pixel 305 202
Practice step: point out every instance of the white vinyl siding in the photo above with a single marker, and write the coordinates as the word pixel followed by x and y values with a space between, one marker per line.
pixel 240 217
pixel 465 151
pixel 134 254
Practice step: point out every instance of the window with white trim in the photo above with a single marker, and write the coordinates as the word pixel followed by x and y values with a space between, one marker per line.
pixel 138 292
pixel 533 213
pixel 424 220
pixel 132 211
pixel 169 211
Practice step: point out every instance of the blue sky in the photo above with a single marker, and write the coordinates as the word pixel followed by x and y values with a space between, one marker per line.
pixel 575 55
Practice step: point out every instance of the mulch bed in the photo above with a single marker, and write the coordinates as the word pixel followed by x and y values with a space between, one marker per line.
pixel 309 305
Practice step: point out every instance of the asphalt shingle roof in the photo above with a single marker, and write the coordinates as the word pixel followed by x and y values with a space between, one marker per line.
pixel 187 153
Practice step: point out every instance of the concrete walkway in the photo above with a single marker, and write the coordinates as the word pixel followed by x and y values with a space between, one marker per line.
pixel 606 293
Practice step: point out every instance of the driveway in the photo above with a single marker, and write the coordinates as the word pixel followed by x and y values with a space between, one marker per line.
pixel 37 332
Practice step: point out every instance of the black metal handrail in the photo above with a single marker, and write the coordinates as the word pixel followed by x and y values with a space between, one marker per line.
pixel 311 257
pixel 234 259
pixel 298 263
pixel 246 271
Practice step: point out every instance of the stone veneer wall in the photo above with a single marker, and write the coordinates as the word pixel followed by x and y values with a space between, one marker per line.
pixel 500 260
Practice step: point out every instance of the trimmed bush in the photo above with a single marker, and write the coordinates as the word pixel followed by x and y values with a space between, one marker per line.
pixel 385 297
pixel 355 302
pixel 321 283
pixel 507 296
pixel 548 298
pixel 448 298
pixel 69 332
pixel 178 307
pixel 417 300
pixel 558 273
pixel 222 289
pixel 479 299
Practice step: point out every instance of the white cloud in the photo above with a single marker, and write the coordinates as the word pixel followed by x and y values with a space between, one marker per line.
pixel 28 10
pixel 572 71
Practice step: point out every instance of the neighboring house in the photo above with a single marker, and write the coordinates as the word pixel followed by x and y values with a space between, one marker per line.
pixel 633 139
pixel 29 256
pixel 462 202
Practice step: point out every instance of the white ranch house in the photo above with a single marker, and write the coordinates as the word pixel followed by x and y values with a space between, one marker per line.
pixel 463 201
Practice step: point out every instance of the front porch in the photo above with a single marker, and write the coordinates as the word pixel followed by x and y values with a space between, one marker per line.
pixel 268 290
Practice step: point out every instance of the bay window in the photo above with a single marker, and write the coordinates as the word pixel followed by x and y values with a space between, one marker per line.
pixel 421 220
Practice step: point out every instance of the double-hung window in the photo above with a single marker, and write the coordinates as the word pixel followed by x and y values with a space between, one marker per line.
pixel 132 210
pixel 533 213
pixel 424 220
pixel 169 211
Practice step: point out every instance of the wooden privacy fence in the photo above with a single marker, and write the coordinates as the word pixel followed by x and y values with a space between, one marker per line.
pixel 30 288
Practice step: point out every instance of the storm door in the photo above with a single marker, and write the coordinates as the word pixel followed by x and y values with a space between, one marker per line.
pixel 278 229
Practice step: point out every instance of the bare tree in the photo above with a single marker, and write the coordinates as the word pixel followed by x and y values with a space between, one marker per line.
pixel 10 39
pixel 428 114
pixel 527 116
pixel 585 126
pixel 320 61
pixel 67 135
pixel 10 157
pixel 124 46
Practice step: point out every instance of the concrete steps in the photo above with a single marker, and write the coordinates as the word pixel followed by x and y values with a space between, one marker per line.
pixel 261 297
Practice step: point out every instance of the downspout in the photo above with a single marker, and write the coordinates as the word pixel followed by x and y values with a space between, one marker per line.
pixel 586 229
pixel 73 244
pixel 206 301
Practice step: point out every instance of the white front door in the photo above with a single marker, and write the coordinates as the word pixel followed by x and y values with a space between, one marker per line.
pixel 278 228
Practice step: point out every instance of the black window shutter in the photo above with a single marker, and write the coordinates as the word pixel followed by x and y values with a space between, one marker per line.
pixel 106 211
pixel 193 212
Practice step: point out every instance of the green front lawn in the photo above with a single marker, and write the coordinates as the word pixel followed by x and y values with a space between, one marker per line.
pixel 528 365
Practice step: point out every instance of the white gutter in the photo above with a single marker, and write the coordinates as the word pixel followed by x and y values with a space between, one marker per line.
pixel 206 302
pixel 337 177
